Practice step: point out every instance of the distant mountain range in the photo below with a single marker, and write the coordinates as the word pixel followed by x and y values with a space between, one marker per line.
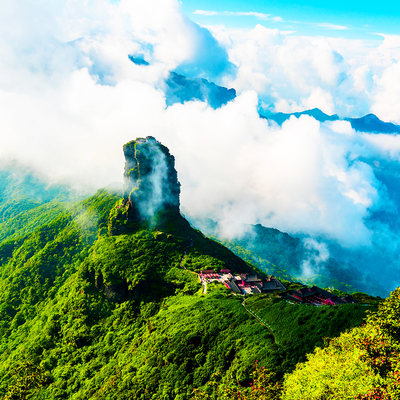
pixel 180 89
pixel 369 123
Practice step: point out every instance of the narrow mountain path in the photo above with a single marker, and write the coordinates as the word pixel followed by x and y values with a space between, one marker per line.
pixel 259 319
pixel 184 254
pixel 204 283
pixel 182 259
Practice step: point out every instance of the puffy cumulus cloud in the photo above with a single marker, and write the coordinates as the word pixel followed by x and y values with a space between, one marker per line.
pixel 209 59
pixel 321 97
pixel 175 39
pixel 237 169
pixel 51 39
pixel 75 131
pixel 68 91
pixel 288 69
pixel 291 72
pixel 387 94
pixel 67 85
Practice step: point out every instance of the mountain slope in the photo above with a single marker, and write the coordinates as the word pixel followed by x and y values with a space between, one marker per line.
pixel 289 257
pixel 21 189
pixel 362 364
pixel 100 300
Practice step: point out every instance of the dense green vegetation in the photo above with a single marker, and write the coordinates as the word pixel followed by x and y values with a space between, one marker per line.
pixel 362 364
pixel 90 313
pixel 22 190
pixel 35 262
pixel 298 329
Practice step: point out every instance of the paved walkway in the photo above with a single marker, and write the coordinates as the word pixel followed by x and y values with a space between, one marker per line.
pixel 259 319
pixel 204 283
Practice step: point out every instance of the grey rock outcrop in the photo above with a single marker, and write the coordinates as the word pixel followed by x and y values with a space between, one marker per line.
pixel 150 179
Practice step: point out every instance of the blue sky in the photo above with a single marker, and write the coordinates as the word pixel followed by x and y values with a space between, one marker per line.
pixel 362 19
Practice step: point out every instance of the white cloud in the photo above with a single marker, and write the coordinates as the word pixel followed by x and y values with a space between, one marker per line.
pixel 333 27
pixel 297 178
pixel 315 262
pixel 321 98
pixel 288 71
pixel 388 145
pixel 386 98
pixel 205 12
pixel 255 14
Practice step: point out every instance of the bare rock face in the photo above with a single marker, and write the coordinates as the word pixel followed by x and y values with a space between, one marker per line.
pixel 150 180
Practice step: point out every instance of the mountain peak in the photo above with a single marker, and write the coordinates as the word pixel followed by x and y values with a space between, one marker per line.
pixel 151 183
pixel 151 189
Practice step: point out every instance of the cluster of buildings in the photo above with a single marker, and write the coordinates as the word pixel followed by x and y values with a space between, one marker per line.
pixel 316 296
pixel 242 283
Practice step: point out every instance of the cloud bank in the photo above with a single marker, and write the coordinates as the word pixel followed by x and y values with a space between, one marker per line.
pixel 292 73
pixel 70 98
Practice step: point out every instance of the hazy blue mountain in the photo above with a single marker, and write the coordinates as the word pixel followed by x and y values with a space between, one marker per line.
pixel 278 253
pixel 138 60
pixel 280 117
pixel 369 123
pixel 181 89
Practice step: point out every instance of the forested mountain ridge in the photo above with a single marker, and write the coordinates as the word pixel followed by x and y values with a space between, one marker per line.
pixel 284 255
pixel 99 299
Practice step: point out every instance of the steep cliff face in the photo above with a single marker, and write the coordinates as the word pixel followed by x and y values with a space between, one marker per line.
pixel 151 187
pixel 150 179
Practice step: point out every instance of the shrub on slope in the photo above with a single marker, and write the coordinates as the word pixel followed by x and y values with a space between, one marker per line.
pixel 363 363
